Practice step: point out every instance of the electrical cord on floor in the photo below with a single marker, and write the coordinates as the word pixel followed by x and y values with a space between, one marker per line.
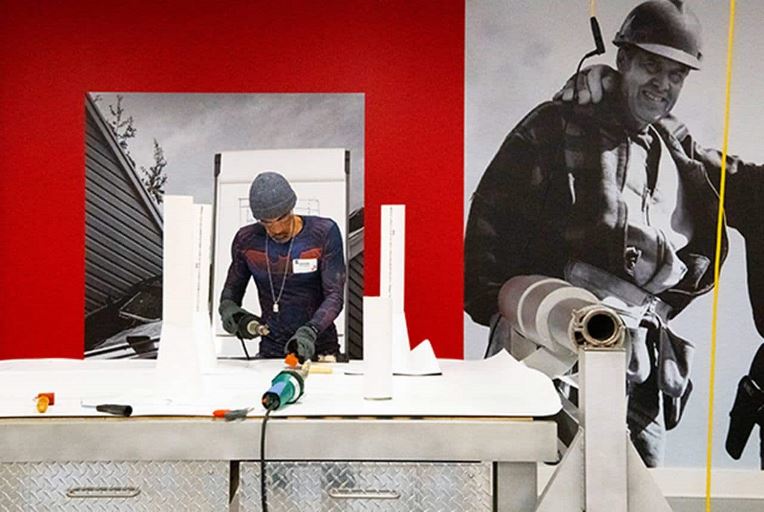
pixel 263 499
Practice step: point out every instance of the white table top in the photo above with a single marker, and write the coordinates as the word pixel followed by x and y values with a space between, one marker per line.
pixel 499 386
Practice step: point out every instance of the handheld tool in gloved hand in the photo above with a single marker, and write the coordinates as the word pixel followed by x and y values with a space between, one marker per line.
pixel 302 343
pixel 242 323
pixel 239 321
pixel 286 388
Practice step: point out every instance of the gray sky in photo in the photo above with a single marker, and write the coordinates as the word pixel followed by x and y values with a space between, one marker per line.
pixel 192 128
pixel 518 53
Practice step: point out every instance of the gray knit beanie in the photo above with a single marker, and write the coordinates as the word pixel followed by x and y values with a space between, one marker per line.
pixel 270 196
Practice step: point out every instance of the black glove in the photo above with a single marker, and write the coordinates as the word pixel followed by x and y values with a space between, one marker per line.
pixel 239 321
pixel 302 343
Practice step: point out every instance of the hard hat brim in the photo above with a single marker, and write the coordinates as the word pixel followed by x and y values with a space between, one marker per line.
pixel 670 53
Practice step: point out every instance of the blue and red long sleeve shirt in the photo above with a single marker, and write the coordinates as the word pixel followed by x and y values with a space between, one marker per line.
pixel 313 291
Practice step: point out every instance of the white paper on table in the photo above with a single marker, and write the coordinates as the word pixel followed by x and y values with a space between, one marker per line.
pixel 420 361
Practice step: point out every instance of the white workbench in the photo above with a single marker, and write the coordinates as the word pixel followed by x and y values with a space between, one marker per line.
pixel 475 411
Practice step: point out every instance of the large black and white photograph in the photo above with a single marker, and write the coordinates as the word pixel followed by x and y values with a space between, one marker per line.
pixel 605 173
pixel 288 166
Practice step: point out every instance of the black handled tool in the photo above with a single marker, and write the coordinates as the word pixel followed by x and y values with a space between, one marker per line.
pixel 115 409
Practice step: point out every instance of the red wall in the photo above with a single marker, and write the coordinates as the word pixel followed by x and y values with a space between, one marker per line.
pixel 406 56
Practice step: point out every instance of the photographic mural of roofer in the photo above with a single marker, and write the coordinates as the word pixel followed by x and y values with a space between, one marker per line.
pixel 609 178
pixel 141 146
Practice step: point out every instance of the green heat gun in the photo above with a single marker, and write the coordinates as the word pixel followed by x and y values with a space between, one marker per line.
pixel 286 388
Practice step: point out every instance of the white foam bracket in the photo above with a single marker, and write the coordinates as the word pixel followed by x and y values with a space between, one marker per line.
pixel 204 336
pixel 392 267
pixel 185 346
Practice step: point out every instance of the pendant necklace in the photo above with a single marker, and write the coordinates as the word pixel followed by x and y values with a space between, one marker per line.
pixel 276 299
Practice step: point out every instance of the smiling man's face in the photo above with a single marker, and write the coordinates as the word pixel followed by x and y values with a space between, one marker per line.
pixel 650 83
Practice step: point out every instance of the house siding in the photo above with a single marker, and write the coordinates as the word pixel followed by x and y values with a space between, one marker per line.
pixel 123 229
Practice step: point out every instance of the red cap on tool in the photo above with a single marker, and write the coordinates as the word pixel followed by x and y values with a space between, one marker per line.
pixel 50 396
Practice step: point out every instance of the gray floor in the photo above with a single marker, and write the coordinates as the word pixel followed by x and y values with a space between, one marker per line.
pixel 717 505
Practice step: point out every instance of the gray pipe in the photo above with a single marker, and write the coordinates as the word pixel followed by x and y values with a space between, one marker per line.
pixel 558 316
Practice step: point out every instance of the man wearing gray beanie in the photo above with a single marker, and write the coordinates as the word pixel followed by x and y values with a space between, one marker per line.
pixel 298 265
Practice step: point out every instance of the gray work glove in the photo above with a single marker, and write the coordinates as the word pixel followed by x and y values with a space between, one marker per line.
pixel 302 343
pixel 229 313
pixel 236 320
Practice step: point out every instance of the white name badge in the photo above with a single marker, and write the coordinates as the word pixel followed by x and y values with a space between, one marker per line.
pixel 304 266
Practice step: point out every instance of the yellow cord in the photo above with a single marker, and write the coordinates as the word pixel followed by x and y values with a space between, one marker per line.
pixel 592 10
pixel 717 262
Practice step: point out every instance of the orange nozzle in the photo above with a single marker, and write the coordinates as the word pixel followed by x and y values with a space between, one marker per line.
pixel 291 360
pixel 42 403
pixel 220 413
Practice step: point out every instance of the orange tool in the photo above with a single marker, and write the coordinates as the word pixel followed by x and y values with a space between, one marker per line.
pixel 44 400
pixel 232 414
pixel 291 360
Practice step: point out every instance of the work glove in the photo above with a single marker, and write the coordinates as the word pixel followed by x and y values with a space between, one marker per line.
pixel 239 321
pixel 302 343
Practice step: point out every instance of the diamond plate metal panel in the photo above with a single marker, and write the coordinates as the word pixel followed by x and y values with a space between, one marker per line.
pixel 144 486
pixel 368 486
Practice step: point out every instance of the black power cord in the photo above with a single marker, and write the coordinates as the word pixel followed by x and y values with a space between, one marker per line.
pixel 249 326
pixel 244 346
pixel 285 389
pixel 263 499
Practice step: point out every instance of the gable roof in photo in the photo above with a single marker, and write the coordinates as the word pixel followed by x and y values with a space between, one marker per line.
pixel 123 225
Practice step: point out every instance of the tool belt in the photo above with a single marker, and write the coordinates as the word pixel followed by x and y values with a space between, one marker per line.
pixel 654 347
